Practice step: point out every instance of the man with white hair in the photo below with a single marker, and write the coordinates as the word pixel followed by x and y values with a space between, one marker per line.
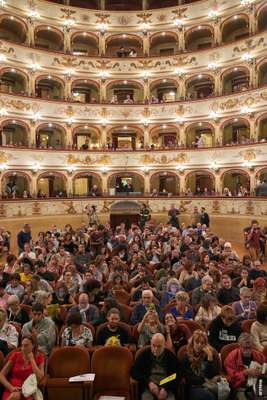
pixel 152 366
pixel 205 288
pixel 142 308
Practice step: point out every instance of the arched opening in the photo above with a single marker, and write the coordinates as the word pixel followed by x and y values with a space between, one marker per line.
pixel 12 29
pixel 48 38
pixel 236 80
pixel 165 183
pixel 164 136
pixel 49 88
pixel 124 46
pixel 163 44
pixel 236 131
pixel 91 4
pixel 200 183
pixel 235 28
pixel 84 44
pixel 126 184
pixel 236 182
pixel 121 5
pixel 199 38
pixel 13 82
pixel 126 212
pixel 164 91
pixel 200 135
pixel 263 74
pixel 125 92
pixel 152 4
pixel 86 138
pixel 263 130
pixel 125 138
pixel 15 134
pixel 261 186
pixel 15 185
pixel 50 136
pixel 262 19
pixel 199 87
pixel 51 184
pixel 85 184
pixel 84 91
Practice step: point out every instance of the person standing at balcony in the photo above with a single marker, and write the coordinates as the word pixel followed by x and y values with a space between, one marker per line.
pixel 254 236
pixel 144 215
pixel 173 214
pixel 204 217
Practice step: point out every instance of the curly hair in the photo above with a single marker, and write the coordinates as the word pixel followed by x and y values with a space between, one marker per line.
pixel 196 359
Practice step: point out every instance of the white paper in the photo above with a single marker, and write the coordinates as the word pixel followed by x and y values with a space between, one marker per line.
pixel 82 378
pixel 111 398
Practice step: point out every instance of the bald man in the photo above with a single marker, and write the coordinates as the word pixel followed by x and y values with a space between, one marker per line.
pixel 153 365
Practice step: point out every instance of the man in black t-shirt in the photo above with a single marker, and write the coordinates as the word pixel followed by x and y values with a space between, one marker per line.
pixel 113 329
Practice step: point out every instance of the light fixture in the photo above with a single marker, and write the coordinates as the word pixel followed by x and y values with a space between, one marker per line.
pixel 179 71
pixel 13 121
pixel 104 169
pixel 49 77
pixel 145 169
pixel 36 167
pixel 246 2
pixel 213 115
pixel 3 112
pixel 48 28
pixel 50 125
pixel 124 36
pixel 245 110
pixel 33 14
pixel 145 122
pixel 3 167
pixel 2 3
pixel 125 127
pixel 145 74
pixel 214 165
pixel 199 27
pixel 247 57
pixel 69 72
pixel 163 33
pixel 104 121
pixel 84 33
pixel 86 127
pixel 180 167
pixel 235 17
pixel 3 57
pixel 213 14
pixel 103 74
pixel 71 168
pixel 11 17
pixel 36 116
pixel 69 22
pixel 178 22
pixel 13 70
pixel 213 66
pixel 199 76
pixel 164 126
pixel 164 80
pixel 103 26
pixel 35 67
pixel 70 121
pixel 179 120
pixel 125 82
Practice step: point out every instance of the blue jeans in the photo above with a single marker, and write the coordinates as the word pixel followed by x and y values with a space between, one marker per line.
pixel 199 393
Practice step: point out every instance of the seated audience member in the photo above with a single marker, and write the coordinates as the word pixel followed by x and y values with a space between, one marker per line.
pixel 224 329
pixel 14 286
pixel 41 327
pixel 151 366
pixel 149 325
pixel 8 334
pixel 76 334
pixel 140 309
pixel 243 280
pixel 61 295
pixel 26 274
pixel 182 309
pixel 89 312
pixel 15 313
pixel 245 308
pixel 19 366
pixel 113 329
pixel 173 286
pixel 239 367
pixel 205 288
pixel 177 334
pixel 208 310
pixel 198 366
pixel 227 293
pixel 259 328
pixel 257 271
pixel 195 281
pixel 259 290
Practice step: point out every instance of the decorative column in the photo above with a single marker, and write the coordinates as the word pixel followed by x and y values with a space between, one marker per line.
pixel 182 182
pixel 32 133
pixel 146 137
pixel 146 90
pixel 217 32
pixel 253 181
pixel 34 185
pixel 70 184
pixel 102 44
pixel 103 136
pixel 252 20
pixel 68 139
pixel 146 44
pixel 147 189
pixel 253 78
pixel 218 183
pixel 30 33
pixel 252 127
pixel 218 87
pixel 67 41
pixel 103 91
pixel 181 38
pixel 144 5
pixel 104 180
pixel 182 135
pixel 31 83
pixel 218 134
pixel 182 86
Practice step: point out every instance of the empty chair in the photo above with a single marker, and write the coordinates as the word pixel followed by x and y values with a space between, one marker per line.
pixel 112 365
pixel 64 363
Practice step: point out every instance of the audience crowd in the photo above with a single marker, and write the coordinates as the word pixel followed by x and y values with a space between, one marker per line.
pixel 154 286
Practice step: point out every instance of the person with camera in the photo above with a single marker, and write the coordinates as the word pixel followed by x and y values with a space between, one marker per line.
pixel 149 325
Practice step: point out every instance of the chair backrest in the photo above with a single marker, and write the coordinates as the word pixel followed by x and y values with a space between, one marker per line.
pixel 112 365
pixel 168 306
pixel 122 296
pixel 246 325
pixel 127 312
pixel 26 308
pixel 123 325
pixel 65 362
pixel 192 325
pixel 225 350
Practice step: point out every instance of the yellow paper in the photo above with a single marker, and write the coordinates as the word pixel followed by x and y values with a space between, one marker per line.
pixel 168 379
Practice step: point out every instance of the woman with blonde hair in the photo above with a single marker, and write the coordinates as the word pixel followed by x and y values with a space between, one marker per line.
pixel 182 309
pixel 200 364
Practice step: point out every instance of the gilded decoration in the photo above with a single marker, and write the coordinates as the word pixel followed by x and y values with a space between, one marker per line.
pixel 104 160
pixel 73 160
pixel 144 18
pixel 4 157
pixel 6 49
pixel 149 159
pixel 184 204
pixel 70 209
pixel 102 18
pixel 228 104
pixel 179 13
pixel 249 155
pixel 248 45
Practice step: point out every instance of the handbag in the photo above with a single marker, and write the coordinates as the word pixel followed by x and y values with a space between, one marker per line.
pixel 218 386
pixel 30 388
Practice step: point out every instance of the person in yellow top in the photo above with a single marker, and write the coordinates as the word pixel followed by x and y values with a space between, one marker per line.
pixel 26 274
